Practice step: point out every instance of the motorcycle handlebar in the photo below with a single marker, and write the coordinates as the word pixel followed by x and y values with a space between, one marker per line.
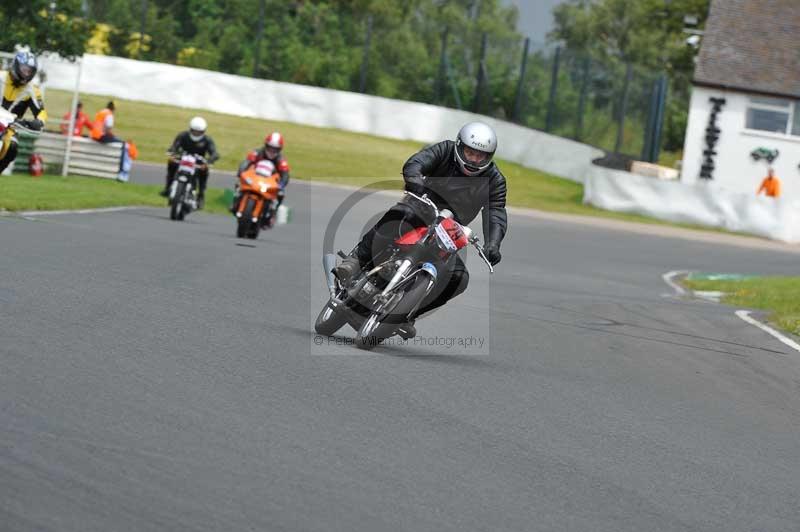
pixel 426 200
pixel 176 157
pixel 21 125
pixel 483 255
pixel 473 239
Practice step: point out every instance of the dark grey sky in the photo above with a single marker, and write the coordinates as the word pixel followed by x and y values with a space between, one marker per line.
pixel 535 17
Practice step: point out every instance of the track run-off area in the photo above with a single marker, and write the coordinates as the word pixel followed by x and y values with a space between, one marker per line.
pixel 159 375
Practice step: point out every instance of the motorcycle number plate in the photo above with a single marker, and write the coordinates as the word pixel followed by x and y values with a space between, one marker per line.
pixel 444 238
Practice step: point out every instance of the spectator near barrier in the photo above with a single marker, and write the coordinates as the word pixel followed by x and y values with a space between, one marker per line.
pixel 103 125
pixel 771 185
pixel 103 132
pixel 81 121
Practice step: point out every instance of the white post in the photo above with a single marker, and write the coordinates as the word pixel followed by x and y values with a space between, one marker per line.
pixel 68 151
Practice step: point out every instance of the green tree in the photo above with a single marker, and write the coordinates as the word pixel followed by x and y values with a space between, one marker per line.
pixel 35 24
pixel 648 34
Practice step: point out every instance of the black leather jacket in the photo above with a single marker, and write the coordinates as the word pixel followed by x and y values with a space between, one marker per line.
pixel 205 147
pixel 434 171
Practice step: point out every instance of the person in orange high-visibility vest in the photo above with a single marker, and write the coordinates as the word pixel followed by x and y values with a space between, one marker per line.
pixel 771 185
pixel 81 121
pixel 103 125
pixel 103 131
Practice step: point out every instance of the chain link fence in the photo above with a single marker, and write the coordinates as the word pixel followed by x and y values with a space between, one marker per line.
pixel 611 105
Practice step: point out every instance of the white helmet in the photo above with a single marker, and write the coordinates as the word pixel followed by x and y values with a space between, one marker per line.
pixel 481 141
pixel 197 128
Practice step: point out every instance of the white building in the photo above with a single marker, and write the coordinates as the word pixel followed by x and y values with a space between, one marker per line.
pixel 749 70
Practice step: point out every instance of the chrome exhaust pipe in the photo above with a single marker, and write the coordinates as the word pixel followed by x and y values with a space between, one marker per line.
pixel 328 264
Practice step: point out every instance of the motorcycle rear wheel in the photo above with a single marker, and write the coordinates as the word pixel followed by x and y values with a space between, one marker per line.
pixel 329 320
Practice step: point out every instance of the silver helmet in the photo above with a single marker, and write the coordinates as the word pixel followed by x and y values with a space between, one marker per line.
pixel 475 147
pixel 23 68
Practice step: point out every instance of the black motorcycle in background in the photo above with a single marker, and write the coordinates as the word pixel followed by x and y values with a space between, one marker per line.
pixel 183 190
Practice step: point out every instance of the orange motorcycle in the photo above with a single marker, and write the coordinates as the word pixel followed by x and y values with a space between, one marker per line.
pixel 258 188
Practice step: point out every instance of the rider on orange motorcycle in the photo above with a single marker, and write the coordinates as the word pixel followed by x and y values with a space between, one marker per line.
pixel 272 151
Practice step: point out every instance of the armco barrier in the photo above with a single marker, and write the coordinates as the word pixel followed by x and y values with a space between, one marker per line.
pixel 700 203
pixel 348 111
pixel 88 157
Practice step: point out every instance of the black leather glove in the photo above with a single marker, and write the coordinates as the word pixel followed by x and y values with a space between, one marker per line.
pixel 34 124
pixel 492 252
pixel 415 186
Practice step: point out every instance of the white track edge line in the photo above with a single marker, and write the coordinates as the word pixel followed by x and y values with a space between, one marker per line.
pixel 667 277
pixel 76 211
pixel 745 315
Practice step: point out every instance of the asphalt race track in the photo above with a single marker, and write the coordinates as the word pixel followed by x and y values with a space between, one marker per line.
pixel 159 375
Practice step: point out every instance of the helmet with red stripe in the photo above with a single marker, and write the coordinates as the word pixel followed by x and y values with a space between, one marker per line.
pixel 274 141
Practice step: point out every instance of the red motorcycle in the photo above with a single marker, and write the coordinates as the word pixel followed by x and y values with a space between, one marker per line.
pixel 378 301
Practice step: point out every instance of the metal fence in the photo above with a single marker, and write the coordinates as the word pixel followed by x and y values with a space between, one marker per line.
pixel 614 106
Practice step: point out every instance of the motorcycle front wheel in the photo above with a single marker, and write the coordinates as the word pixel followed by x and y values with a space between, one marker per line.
pixel 176 208
pixel 375 328
pixel 366 338
pixel 243 228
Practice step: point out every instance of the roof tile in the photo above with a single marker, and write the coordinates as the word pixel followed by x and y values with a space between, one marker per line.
pixel 752 45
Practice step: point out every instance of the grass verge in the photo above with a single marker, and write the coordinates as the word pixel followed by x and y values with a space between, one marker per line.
pixel 52 193
pixel 780 296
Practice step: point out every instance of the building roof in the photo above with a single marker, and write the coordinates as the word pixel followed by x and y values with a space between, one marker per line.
pixel 752 46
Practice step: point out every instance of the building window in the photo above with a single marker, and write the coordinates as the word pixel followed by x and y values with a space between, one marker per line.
pixel 796 120
pixel 774 114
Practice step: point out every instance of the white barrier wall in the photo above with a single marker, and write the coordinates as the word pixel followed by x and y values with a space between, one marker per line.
pixel 700 203
pixel 734 168
pixel 237 95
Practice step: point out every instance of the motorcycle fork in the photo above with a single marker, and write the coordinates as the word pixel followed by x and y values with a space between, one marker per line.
pixel 242 204
pixel 258 208
pixel 413 256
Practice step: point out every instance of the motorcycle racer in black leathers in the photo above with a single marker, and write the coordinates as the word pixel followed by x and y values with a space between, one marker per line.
pixel 457 175
pixel 193 141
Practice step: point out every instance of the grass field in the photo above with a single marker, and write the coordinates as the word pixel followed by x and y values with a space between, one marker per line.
pixel 48 193
pixel 780 296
